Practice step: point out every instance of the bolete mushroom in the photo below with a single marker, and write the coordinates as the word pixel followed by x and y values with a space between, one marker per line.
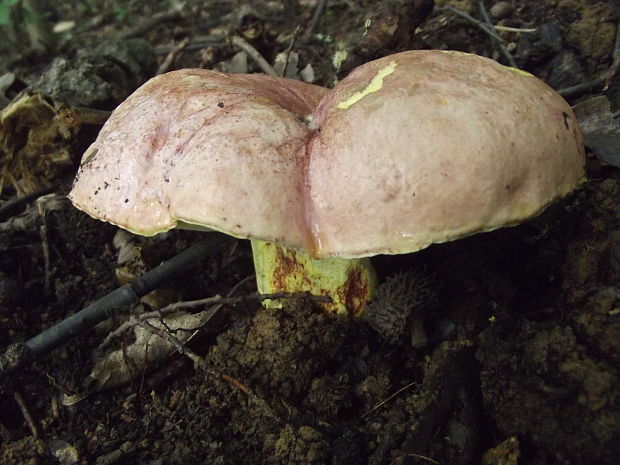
pixel 411 149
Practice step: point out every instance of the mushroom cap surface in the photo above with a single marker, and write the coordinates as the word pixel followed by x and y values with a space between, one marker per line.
pixel 412 149
pixel 214 150
pixel 441 145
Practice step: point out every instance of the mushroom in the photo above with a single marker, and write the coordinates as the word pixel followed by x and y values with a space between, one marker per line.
pixel 412 149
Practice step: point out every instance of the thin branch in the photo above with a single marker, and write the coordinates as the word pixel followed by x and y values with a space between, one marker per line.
pixel 615 56
pixel 244 45
pixel 256 296
pixel 12 206
pixel 201 364
pixel 484 27
pixel 515 29
pixel 165 65
pixel 150 23
pixel 160 313
pixel 288 51
pixel 76 116
pixel 196 43
pixel 26 222
pixel 20 354
pixel 484 13
pixel 383 402
pixel 45 250
pixel 219 301
pixel 320 6
pixel 26 413
pixel 5 433
pixel 471 19
pixel 163 333
pixel 424 457
pixel 487 19
pixel 582 88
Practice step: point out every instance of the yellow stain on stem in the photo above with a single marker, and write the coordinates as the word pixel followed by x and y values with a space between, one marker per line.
pixel 374 85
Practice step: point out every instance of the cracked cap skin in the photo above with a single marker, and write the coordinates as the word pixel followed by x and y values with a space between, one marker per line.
pixel 412 149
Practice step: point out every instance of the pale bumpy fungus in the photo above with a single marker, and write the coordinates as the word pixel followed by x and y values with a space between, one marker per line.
pixel 412 149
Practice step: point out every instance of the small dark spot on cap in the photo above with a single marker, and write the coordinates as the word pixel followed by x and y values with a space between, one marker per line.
pixel 565 115
pixel 220 104
pixel 126 200
pixel 237 226
pixel 106 184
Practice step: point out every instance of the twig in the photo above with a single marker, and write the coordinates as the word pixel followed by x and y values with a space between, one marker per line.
pixel 26 222
pixel 424 457
pixel 515 29
pixel 76 116
pixel 45 249
pixel 165 65
pixel 471 19
pixel 234 289
pixel 195 43
pixel 219 301
pixel 484 27
pixel 484 13
pixel 163 333
pixel 32 218
pixel 582 88
pixel 150 23
pixel 5 433
pixel 235 300
pixel 118 332
pixel 291 44
pixel 26 413
pixel 487 19
pixel 320 6
pixel 13 206
pixel 615 56
pixel 201 364
pixel 244 45
pixel 20 354
pixel 383 402
pixel 237 384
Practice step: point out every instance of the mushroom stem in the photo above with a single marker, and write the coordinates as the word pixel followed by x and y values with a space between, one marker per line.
pixel 350 283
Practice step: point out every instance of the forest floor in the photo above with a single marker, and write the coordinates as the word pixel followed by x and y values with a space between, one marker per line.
pixel 516 344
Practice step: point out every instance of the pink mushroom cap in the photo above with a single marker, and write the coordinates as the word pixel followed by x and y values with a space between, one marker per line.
pixel 412 149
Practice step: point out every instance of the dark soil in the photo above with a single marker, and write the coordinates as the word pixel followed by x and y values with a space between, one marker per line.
pixel 515 338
